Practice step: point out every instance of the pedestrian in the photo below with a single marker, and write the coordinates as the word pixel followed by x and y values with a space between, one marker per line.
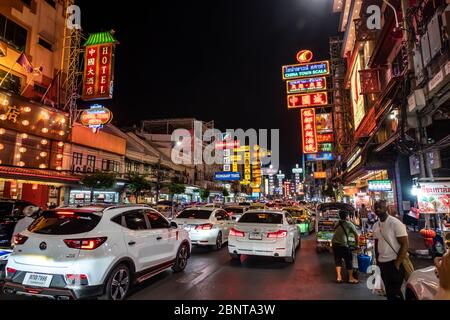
pixel 341 246
pixel 363 217
pixel 391 249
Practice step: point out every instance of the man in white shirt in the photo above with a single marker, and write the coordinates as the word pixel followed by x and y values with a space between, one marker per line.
pixel 391 248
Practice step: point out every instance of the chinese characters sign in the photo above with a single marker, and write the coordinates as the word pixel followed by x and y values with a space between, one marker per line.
pixel 369 81
pixel 306 70
pixel 98 77
pixel 307 100
pixel 326 137
pixel 308 118
pixel 355 93
pixel 306 85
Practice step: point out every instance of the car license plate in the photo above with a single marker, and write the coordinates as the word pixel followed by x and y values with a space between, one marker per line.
pixel 37 280
pixel 255 236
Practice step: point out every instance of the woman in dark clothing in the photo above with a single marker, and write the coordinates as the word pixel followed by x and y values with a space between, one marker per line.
pixel 341 249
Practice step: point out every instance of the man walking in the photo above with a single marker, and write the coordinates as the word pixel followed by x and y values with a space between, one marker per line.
pixel 391 248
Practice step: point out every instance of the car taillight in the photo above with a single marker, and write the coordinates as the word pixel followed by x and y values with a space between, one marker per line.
pixel 19 239
pixel 77 279
pixel 10 272
pixel 236 233
pixel 278 234
pixel 85 244
pixel 206 226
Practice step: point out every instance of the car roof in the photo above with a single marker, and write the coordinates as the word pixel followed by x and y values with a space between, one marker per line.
pixel 101 208
pixel 265 211
pixel 203 208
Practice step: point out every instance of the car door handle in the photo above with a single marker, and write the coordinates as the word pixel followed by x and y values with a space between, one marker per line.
pixel 159 238
pixel 131 243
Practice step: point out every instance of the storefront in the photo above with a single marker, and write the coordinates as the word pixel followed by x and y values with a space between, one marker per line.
pixel 98 196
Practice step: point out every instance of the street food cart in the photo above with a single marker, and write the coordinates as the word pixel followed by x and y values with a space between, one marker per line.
pixel 327 215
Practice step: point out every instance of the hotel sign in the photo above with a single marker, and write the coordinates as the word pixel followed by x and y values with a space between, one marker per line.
pixel 306 70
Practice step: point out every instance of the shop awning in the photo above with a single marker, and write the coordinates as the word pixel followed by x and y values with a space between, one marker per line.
pixel 37 175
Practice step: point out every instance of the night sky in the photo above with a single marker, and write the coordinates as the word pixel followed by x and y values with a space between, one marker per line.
pixel 211 59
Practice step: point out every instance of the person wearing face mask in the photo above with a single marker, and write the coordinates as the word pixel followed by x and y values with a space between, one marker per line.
pixel 391 249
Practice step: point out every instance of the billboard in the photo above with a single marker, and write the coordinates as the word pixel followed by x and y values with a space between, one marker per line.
pixel 307 100
pixel 434 197
pixel 309 134
pixel 325 137
pixel 306 85
pixel 357 99
pixel 98 77
pixel 324 122
pixel 380 185
pixel 322 156
pixel 96 117
pixel 306 70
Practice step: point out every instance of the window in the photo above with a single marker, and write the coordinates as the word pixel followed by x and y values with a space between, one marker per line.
pixel 39 89
pixel 51 2
pixel 135 220
pixel 195 214
pixel 262 217
pixel 91 161
pixel 27 2
pixel 13 33
pixel 77 158
pixel 110 165
pixel 118 219
pixel 11 81
pixel 44 43
pixel 128 167
pixel 156 221
pixel 57 224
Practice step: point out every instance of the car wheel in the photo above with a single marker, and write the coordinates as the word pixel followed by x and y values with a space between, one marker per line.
pixel 235 256
pixel 118 284
pixel 219 241
pixel 181 259
pixel 291 259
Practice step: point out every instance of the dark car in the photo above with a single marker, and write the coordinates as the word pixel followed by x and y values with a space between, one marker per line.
pixel 11 211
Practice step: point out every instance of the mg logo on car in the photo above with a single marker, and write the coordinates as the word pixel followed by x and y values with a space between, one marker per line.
pixel 43 246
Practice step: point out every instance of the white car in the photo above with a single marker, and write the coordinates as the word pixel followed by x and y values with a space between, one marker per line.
pixel 265 233
pixel 206 226
pixel 422 284
pixel 74 253
pixel 235 212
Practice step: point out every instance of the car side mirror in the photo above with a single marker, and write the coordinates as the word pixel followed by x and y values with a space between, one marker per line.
pixel 173 225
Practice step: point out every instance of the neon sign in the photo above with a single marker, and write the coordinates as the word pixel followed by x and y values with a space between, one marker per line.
pixel 306 70
pixel 306 85
pixel 304 56
pixel 96 117
pixel 307 100
pixel 308 118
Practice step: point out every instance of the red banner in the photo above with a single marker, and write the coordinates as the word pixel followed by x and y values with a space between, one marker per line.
pixel 307 100
pixel 369 81
pixel 97 78
pixel 308 118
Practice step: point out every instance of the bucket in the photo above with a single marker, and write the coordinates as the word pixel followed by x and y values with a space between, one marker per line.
pixel 364 261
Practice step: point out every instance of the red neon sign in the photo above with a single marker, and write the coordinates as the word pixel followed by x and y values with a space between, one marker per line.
pixel 97 78
pixel 309 136
pixel 227 145
pixel 307 100
pixel 325 137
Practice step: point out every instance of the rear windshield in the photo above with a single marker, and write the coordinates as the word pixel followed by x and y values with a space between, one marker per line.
pixel 5 209
pixel 235 210
pixel 54 223
pixel 195 214
pixel 262 217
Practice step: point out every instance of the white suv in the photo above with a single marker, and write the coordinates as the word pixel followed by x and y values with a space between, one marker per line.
pixel 74 253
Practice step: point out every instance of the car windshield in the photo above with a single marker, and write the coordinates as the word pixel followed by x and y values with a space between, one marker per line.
pixel 5 209
pixel 234 210
pixel 195 214
pixel 262 217
pixel 64 222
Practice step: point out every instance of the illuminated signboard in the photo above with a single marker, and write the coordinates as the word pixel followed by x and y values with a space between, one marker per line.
pixel 96 117
pixel 306 85
pixel 325 147
pixel 324 122
pixel 325 137
pixel 320 175
pixel 98 67
pixel 306 70
pixel 356 98
pixel 322 156
pixel 307 100
pixel 227 176
pixel 32 118
pixel 227 145
pixel 380 185
pixel 309 137
pixel 304 56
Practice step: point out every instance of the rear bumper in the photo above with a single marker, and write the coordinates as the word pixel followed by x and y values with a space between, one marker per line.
pixel 275 249
pixel 203 237
pixel 53 293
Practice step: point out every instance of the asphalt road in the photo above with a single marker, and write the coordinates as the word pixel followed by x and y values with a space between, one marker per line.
pixel 212 275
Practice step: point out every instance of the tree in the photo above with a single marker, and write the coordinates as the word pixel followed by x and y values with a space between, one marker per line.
pixel 138 183
pixel 98 180
pixel 225 194
pixel 204 194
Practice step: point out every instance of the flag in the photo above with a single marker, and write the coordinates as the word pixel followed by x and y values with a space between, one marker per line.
pixel 23 61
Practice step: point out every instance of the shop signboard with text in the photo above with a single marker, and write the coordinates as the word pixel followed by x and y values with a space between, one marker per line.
pixel 380 185
pixel 434 197
pixel 309 134
pixel 306 70
pixel 307 100
pixel 306 85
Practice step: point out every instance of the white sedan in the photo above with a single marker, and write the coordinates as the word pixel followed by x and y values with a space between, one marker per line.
pixel 207 226
pixel 265 233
